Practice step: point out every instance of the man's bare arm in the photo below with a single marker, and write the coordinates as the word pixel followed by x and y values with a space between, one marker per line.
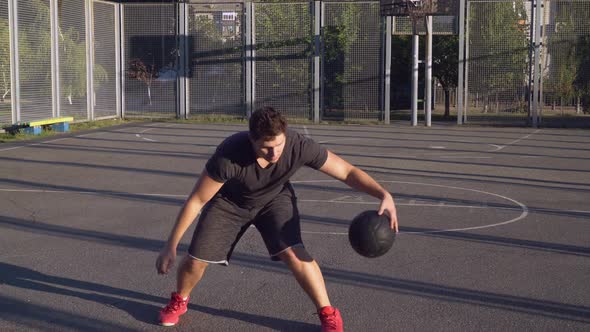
pixel 203 191
pixel 356 178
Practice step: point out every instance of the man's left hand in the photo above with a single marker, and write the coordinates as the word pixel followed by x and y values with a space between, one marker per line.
pixel 388 205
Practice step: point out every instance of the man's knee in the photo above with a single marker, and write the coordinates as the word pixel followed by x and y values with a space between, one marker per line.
pixel 295 255
pixel 192 265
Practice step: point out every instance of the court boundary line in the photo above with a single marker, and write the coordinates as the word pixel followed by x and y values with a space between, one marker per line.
pixel 523 207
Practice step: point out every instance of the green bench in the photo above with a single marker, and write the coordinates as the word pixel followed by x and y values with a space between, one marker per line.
pixel 61 124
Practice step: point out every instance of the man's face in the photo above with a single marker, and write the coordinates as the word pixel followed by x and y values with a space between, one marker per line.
pixel 270 150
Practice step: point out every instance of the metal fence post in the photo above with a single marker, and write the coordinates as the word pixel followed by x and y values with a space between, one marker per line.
pixel 118 61
pixel 14 61
pixel 55 79
pixel 249 58
pixel 89 5
pixel 322 56
pixel 182 58
pixel 428 74
pixel 465 100
pixel 121 66
pixel 317 12
pixel 387 71
pixel 537 65
pixel 460 85
pixel 415 67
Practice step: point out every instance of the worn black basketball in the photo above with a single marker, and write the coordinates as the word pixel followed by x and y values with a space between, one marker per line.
pixel 370 234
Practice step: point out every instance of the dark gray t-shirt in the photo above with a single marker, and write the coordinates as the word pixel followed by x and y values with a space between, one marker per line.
pixel 249 185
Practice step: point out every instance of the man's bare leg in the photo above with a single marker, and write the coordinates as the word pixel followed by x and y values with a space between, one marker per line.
pixel 307 273
pixel 190 272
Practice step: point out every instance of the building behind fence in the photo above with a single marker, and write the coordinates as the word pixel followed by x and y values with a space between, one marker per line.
pixel 314 60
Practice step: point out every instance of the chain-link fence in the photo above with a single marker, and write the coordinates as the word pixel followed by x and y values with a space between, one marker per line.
pixel 313 60
pixel 106 52
pixel 501 43
pixel 72 59
pixel 283 45
pixel 150 47
pixel 351 60
pixel 35 54
pixel 5 75
pixel 566 59
pixel 498 57
pixel 215 50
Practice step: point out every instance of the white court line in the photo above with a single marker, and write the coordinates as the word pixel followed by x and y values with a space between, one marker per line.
pixel 464 157
pixel 50 141
pixel 338 140
pixel 496 148
pixel 12 148
pixel 145 138
pixel 413 204
pixel 500 147
pixel 525 137
pixel 148 129
pixel 88 192
pixel 523 208
pixel 336 200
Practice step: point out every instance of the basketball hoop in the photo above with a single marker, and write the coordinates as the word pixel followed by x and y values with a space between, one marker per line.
pixel 415 9
pixel 418 9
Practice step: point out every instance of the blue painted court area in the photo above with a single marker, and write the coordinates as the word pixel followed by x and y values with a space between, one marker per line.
pixel 494 232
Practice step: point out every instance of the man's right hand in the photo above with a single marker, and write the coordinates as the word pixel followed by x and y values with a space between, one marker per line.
pixel 165 260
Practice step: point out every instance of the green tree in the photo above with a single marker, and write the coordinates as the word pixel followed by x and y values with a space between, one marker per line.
pixel 72 54
pixel 445 54
pixel 338 39
pixel 499 51
pixel 24 49
pixel 581 10
pixel 218 61
pixel 205 29
pixel 34 64
pixel 582 80
pixel 145 73
pixel 563 60
pixel 4 58
pixel 283 49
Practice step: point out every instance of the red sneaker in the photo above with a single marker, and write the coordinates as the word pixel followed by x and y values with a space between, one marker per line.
pixel 331 319
pixel 176 307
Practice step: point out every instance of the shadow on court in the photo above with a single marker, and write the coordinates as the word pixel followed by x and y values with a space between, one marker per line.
pixel 30 279
pixel 40 316
pixel 470 237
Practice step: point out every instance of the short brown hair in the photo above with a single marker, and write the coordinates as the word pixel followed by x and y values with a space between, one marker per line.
pixel 267 123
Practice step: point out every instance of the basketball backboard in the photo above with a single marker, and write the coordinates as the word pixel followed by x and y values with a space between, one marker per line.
pixel 421 7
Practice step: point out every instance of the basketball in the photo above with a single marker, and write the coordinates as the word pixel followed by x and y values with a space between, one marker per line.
pixel 370 234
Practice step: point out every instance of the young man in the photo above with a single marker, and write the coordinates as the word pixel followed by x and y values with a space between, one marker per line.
pixel 246 182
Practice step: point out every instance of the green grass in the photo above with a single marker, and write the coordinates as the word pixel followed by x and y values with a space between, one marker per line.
pixel 231 119
pixel 205 119
pixel 74 127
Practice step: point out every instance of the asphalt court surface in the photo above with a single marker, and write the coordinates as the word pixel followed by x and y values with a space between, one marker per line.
pixel 494 222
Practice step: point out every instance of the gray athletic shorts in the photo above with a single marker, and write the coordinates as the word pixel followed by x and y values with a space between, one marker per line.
pixel 222 224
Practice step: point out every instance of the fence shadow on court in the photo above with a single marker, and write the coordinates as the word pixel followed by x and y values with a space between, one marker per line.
pixel 556 248
pixel 21 277
pixel 45 317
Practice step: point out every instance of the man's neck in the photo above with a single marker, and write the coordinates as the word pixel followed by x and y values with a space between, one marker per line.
pixel 262 162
